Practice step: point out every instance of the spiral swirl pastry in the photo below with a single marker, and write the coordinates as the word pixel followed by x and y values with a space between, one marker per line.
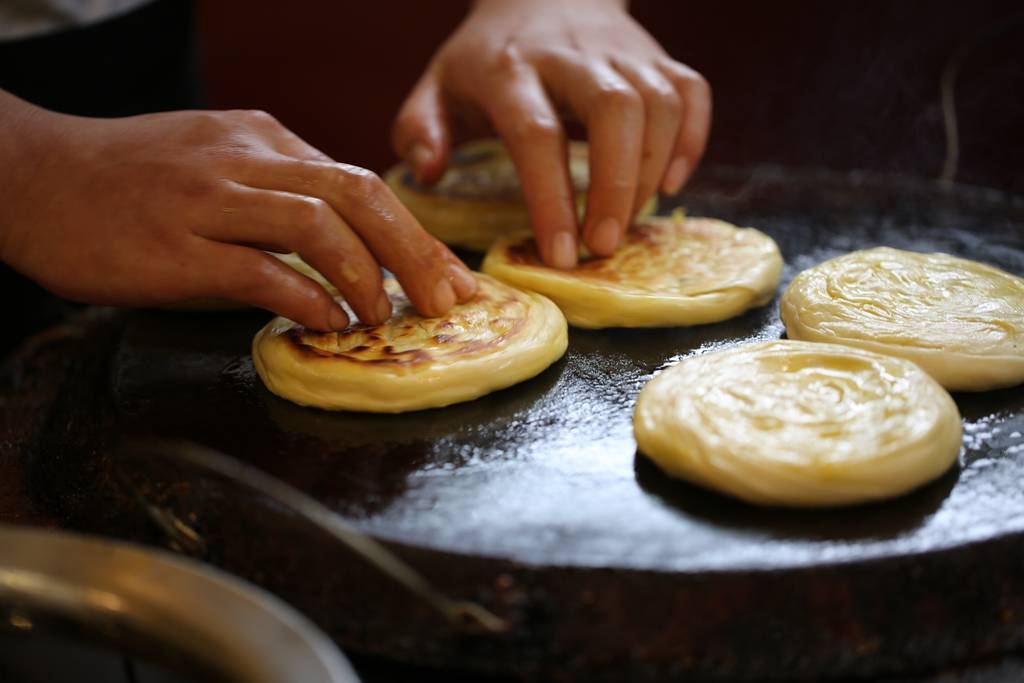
pixel 960 320
pixel 799 424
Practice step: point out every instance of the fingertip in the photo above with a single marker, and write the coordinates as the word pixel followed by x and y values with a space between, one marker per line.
pixel 421 132
pixel 442 299
pixel 562 251
pixel 463 282
pixel 383 307
pixel 337 319
pixel 604 238
pixel 676 176
pixel 422 160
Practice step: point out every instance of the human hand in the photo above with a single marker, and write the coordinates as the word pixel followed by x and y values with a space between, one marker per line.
pixel 514 66
pixel 163 208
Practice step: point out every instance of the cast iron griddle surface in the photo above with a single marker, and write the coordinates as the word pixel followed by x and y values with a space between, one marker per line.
pixel 547 473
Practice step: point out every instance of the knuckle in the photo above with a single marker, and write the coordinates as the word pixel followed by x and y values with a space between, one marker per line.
pixel 665 100
pixel 509 58
pixel 259 117
pixel 308 217
pixel 535 129
pixel 361 183
pixel 619 98
pixel 206 125
pixel 695 84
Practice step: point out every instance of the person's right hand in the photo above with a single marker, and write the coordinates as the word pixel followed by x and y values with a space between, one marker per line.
pixel 165 208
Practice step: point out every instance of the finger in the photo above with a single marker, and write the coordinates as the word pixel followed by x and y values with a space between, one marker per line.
pixel 663 110
pixel 421 134
pixel 613 113
pixel 693 132
pixel 383 224
pixel 461 278
pixel 524 118
pixel 310 227
pixel 256 278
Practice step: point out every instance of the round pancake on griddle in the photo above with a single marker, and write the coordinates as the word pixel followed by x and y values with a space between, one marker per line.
pixel 960 320
pixel 668 271
pixel 799 424
pixel 479 198
pixel 501 337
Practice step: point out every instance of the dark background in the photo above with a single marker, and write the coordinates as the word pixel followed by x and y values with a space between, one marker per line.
pixel 838 84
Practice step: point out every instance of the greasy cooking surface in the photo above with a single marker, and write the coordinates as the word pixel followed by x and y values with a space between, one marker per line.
pixel 685 257
pixel 495 315
pixel 547 472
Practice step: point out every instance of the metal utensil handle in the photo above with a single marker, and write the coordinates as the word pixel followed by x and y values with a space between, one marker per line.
pixel 465 615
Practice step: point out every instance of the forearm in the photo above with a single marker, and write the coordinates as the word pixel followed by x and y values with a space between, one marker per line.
pixel 22 125
pixel 611 4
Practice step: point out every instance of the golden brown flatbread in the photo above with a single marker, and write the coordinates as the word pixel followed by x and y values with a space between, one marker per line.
pixel 479 198
pixel 499 338
pixel 668 271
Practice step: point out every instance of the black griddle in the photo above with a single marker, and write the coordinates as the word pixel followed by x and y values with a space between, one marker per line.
pixel 534 502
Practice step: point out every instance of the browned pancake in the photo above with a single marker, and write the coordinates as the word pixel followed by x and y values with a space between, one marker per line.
pixel 690 256
pixel 500 337
pixel 668 271
pixel 495 314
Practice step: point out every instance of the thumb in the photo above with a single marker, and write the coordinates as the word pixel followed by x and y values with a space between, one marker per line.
pixel 421 135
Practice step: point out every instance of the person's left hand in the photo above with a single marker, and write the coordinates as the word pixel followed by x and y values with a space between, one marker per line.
pixel 513 65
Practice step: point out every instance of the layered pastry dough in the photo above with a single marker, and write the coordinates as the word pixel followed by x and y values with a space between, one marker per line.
pixel 501 337
pixel 962 321
pixel 799 424
pixel 479 198
pixel 668 271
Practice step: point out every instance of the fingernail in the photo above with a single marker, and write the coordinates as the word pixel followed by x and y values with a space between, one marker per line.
pixel 675 176
pixel 462 281
pixel 419 157
pixel 337 318
pixel 605 237
pixel 383 307
pixel 563 250
pixel 444 297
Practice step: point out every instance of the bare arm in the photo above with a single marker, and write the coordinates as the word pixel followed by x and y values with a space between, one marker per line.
pixel 169 207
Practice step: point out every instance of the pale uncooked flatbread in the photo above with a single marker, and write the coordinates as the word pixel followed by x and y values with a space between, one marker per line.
pixel 799 424
pixel 962 321
pixel 499 338
pixel 668 271
pixel 479 197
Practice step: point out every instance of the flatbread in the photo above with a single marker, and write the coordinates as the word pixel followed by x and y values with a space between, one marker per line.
pixel 668 271
pixel 479 198
pixel 799 424
pixel 960 320
pixel 499 338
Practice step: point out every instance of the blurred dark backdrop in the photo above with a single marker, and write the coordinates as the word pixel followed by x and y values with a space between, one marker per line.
pixel 840 84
